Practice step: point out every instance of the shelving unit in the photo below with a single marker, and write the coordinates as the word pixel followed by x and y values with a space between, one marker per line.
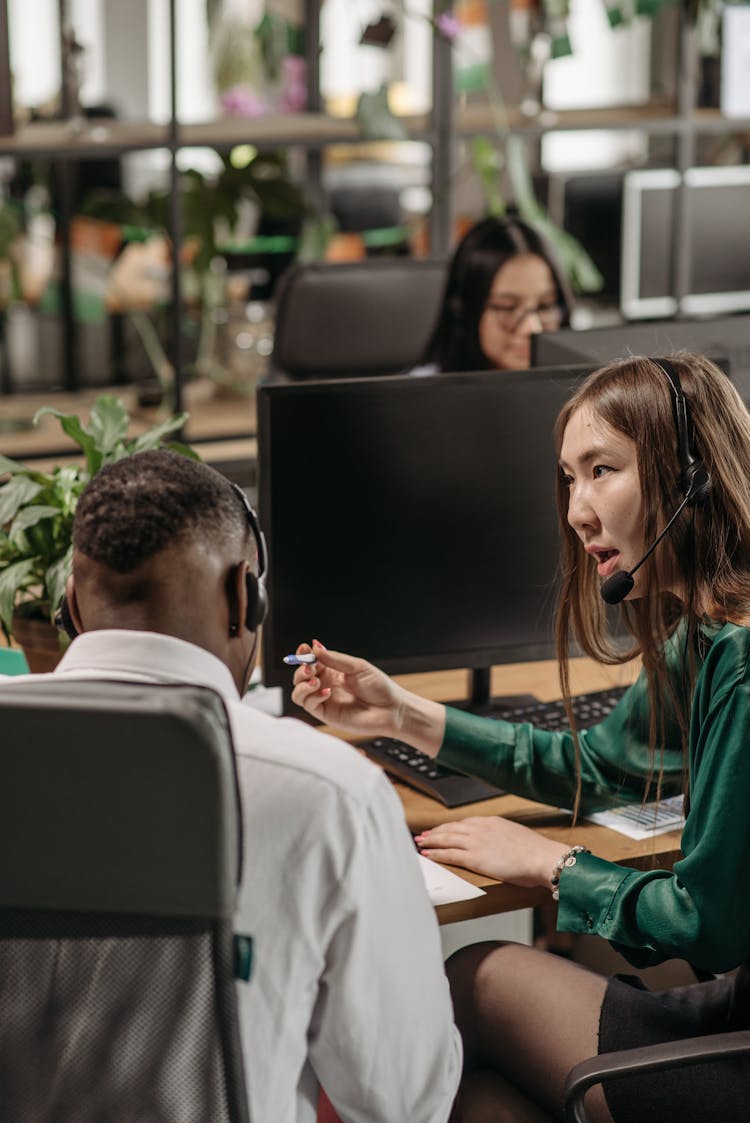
pixel 313 131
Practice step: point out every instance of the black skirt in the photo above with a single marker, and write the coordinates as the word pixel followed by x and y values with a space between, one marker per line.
pixel 632 1016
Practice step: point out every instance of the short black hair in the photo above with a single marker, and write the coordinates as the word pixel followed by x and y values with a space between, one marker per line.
pixel 134 508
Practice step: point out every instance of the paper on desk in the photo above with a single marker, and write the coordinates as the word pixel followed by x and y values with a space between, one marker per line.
pixel 643 820
pixel 444 886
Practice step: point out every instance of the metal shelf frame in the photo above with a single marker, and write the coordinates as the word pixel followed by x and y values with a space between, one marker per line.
pixel 75 140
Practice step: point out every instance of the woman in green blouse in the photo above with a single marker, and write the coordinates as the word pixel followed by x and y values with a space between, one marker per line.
pixel 639 442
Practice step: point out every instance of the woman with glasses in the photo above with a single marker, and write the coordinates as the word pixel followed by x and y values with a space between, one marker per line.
pixel 503 286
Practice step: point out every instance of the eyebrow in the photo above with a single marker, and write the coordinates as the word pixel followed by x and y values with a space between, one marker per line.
pixel 504 295
pixel 596 452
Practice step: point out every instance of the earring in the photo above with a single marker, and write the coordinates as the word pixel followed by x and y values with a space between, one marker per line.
pixel 233 630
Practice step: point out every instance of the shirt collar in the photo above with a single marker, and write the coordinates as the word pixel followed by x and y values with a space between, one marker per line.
pixel 113 653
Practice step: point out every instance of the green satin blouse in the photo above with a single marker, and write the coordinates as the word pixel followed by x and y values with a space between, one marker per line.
pixel 700 910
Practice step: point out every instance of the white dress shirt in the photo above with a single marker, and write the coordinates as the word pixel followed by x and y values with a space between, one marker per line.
pixel 348 988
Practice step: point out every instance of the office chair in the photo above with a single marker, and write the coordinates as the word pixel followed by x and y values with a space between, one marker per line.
pixel 360 317
pixel 120 844
pixel 649 1058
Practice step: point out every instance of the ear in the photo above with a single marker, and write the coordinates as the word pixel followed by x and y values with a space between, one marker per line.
pixel 237 597
pixel 72 599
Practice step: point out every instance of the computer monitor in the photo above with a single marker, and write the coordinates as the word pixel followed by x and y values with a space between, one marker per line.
pixel 718 204
pixel 725 340
pixel 410 519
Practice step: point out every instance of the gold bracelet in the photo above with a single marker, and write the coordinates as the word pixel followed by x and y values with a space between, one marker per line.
pixel 568 859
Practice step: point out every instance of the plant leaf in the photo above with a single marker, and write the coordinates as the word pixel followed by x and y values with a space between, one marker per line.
pixel 55 578
pixel 108 423
pixel 376 119
pixel 583 273
pixel 315 235
pixel 13 494
pixel 30 516
pixel 488 163
pixel 153 437
pixel 184 450
pixel 71 425
pixel 7 465
pixel 12 579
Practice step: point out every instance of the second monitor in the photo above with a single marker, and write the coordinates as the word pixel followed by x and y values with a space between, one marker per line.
pixel 412 520
pixel 725 339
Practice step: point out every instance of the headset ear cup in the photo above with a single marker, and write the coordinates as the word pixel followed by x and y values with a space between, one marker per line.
pixel 257 602
pixel 698 484
pixel 64 621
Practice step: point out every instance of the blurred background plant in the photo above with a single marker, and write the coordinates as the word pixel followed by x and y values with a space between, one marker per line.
pixel 37 508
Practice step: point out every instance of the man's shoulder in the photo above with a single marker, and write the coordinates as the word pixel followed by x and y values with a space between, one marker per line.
pixel 290 745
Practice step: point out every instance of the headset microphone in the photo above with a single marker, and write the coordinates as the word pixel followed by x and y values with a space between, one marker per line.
pixel 617 587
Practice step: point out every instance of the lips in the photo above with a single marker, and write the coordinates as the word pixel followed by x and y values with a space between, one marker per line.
pixel 606 560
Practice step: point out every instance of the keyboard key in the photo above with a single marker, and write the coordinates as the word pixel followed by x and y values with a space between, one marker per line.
pixel 589 709
pixel 448 785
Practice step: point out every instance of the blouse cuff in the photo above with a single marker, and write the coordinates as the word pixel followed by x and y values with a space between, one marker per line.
pixel 588 893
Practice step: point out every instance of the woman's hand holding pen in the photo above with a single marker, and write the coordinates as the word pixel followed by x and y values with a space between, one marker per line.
pixel 352 694
pixel 495 847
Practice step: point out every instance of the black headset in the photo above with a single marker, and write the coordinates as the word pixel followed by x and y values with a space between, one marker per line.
pixel 257 597
pixel 695 479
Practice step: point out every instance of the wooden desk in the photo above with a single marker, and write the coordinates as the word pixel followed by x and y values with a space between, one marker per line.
pixel 421 811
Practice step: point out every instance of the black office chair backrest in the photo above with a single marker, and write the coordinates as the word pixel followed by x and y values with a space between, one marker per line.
pixel 363 317
pixel 119 863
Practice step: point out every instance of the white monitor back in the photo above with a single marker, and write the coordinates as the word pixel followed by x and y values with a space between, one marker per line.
pixel 717 204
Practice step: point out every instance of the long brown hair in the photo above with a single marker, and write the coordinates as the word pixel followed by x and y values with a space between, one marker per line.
pixel 706 553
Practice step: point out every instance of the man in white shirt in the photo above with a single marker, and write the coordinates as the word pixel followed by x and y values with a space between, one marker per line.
pixel 348 989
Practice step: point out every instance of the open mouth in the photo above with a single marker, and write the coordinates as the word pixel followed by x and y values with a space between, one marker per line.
pixel 606 561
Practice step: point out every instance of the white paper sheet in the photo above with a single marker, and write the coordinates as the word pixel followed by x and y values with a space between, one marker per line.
pixel 444 886
pixel 643 820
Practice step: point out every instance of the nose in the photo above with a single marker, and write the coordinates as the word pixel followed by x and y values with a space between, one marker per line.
pixel 531 323
pixel 581 514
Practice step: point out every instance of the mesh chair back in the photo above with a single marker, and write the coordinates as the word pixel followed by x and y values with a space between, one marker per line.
pixel 372 317
pixel 119 861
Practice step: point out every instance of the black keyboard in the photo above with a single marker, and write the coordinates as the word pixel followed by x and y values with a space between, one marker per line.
pixel 589 709
pixel 454 788
pixel 451 787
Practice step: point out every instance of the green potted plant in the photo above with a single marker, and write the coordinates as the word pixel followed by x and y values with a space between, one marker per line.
pixel 36 521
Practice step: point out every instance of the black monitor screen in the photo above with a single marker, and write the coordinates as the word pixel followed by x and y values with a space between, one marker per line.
pixel 726 340
pixel 411 519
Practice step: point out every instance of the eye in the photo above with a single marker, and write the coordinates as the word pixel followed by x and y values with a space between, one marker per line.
pixel 565 479
pixel 600 470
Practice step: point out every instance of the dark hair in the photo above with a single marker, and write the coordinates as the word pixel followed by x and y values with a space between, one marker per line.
pixel 707 550
pixel 482 251
pixel 134 508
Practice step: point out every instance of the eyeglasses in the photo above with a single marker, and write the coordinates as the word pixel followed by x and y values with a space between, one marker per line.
pixel 510 317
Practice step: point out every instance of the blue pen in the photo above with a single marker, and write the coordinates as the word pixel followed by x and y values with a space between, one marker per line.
pixel 297 660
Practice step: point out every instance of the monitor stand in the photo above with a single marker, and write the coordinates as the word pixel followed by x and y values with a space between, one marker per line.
pixel 480 700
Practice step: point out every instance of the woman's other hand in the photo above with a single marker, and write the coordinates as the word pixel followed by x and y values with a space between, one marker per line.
pixel 495 847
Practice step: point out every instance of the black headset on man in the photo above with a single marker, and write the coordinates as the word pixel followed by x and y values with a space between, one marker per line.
pixel 695 482
pixel 257 597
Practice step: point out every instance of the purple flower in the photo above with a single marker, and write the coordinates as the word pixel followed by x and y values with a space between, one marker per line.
pixel 294 84
pixel 242 101
pixel 449 25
